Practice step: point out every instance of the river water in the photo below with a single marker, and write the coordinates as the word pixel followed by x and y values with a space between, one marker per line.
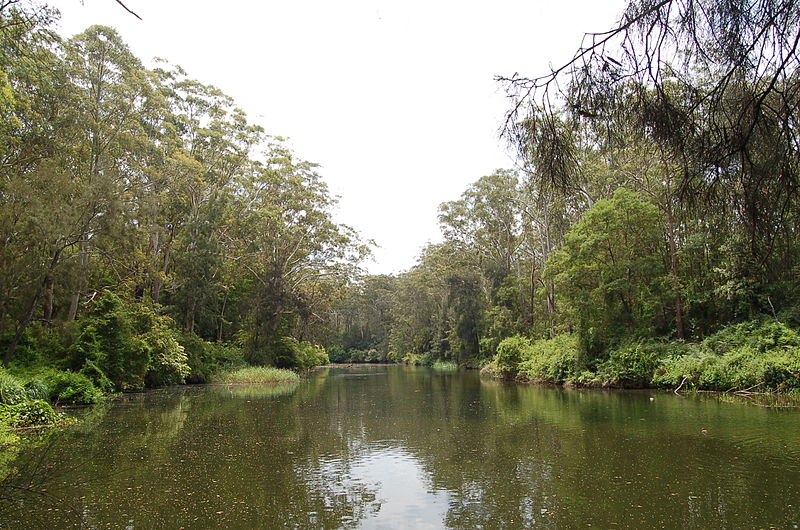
pixel 404 447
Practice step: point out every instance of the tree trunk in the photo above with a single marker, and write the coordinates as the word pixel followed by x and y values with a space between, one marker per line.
pixel 190 316
pixel 533 292
pixel 221 318
pixel 673 269
pixel 83 279
pixel 49 284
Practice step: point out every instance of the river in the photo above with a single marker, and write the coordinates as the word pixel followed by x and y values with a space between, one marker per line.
pixel 405 447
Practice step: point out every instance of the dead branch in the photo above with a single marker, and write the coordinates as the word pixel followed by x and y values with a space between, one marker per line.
pixel 126 8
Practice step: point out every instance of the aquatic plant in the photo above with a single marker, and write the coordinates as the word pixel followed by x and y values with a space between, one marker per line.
pixel 256 374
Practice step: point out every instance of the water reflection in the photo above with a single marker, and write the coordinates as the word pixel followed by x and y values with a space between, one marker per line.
pixel 389 447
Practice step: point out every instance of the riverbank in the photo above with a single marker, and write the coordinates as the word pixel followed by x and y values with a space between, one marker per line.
pixel 35 399
pixel 755 356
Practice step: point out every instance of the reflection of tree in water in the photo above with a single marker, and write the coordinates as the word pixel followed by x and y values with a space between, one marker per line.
pixel 35 485
pixel 29 482
pixel 344 499
pixel 228 456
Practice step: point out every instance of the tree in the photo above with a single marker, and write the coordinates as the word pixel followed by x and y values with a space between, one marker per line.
pixel 611 273
pixel 678 68
pixel 285 238
pixel 39 219
pixel 115 107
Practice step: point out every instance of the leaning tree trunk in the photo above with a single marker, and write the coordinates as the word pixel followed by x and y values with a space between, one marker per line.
pixel 26 321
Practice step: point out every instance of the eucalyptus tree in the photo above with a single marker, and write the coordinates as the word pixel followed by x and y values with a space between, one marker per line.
pixel 419 312
pixel 38 223
pixel 210 148
pixel 364 317
pixel 116 105
pixel 486 224
pixel 284 236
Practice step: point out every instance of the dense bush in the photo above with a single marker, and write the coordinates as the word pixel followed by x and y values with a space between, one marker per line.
pixel 168 362
pixel 37 389
pixel 38 345
pixel 11 390
pixel 30 413
pixel 554 360
pixel 762 355
pixel 416 359
pixel 291 353
pixel 510 353
pixel 109 339
pixel 761 336
pixel 129 344
pixel 206 358
pixel 337 354
pixel 71 388
pixel 633 365
pixel 96 376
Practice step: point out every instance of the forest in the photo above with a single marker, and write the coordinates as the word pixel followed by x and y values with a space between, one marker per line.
pixel 648 235
pixel 151 234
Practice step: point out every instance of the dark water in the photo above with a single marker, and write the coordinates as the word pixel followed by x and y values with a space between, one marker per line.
pixel 400 447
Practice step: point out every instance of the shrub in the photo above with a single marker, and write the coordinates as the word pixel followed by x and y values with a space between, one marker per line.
pixel 634 365
pixel 110 338
pixel 756 354
pixel 412 359
pixel 301 355
pixel 168 362
pixel 11 390
pixel 129 344
pixel 490 370
pixel 310 355
pixel 510 352
pixel 206 358
pixel 27 353
pixel 761 336
pixel 97 377
pixel 553 360
pixel 37 389
pixel 337 354
pixel 30 413
pixel 72 388
pixel 356 356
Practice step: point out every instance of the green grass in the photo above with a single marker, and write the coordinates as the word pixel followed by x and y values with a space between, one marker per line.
pixel 256 375
pixel 445 365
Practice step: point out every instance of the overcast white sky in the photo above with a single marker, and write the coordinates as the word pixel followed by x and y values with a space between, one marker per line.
pixel 394 98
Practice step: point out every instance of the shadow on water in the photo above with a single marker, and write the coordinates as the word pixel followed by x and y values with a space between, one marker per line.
pixel 392 446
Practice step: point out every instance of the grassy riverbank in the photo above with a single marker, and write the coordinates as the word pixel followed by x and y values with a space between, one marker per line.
pixel 755 356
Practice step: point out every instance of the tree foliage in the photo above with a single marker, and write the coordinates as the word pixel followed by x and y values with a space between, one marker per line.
pixel 142 210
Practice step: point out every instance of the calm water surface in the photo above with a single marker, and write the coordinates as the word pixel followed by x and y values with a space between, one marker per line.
pixel 401 447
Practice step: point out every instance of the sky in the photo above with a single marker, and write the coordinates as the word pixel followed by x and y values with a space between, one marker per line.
pixel 395 99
